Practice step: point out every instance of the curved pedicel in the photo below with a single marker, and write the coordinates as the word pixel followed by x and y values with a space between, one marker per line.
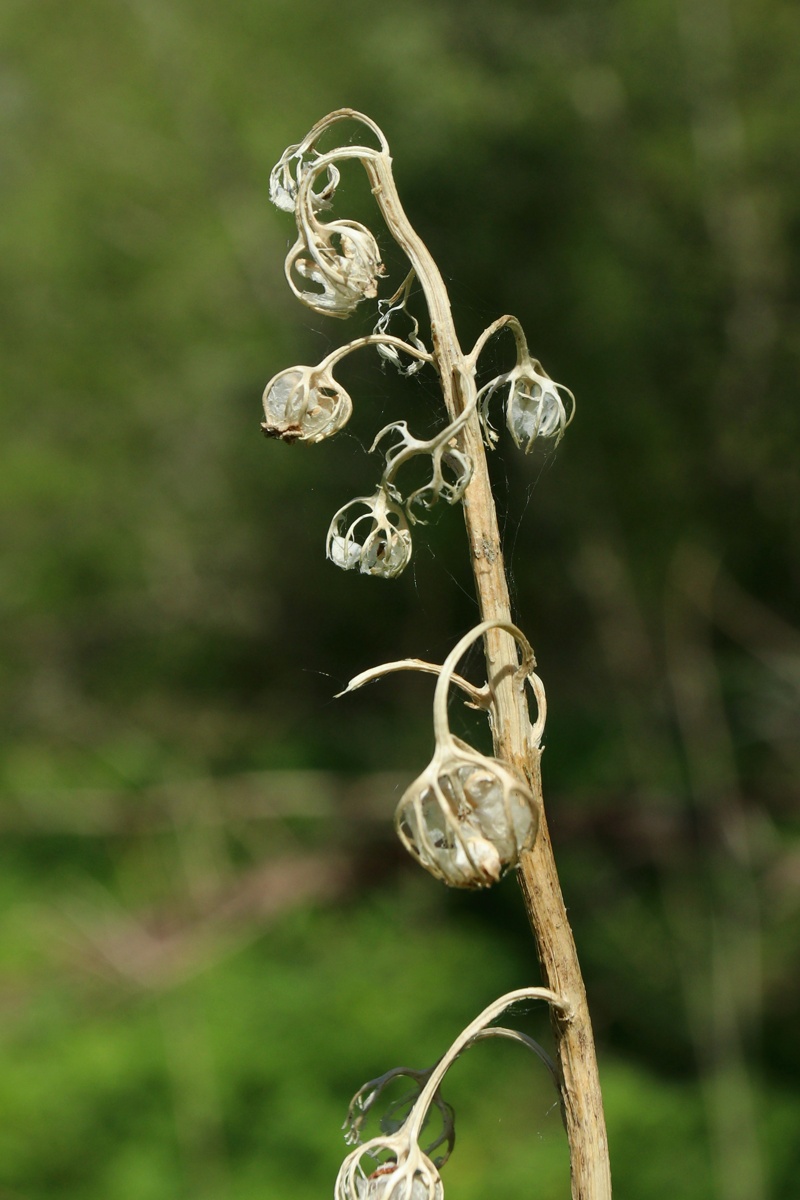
pixel 399 1169
pixel 285 181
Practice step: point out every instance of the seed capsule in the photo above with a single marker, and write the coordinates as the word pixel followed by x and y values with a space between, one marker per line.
pixel 370 535
pixel 467 818
pixel 407 1174
pixel 535 407
pixel 343 258
pixel 305 404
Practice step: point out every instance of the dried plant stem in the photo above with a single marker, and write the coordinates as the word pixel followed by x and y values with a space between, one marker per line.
pixel 580 1085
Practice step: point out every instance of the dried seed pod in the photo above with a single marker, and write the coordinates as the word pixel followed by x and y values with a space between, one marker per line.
pixel 535 407
pixel 403 1173
pixel 305 404
pixel 284 183
pixel 397 1112
pixel 342 257
pixel 468 818
pixel 370 535
pixel 398 1169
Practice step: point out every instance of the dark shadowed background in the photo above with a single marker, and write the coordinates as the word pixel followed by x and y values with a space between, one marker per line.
pixel 210 938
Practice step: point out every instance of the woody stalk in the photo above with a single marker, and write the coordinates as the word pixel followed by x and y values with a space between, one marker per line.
pixel 467 818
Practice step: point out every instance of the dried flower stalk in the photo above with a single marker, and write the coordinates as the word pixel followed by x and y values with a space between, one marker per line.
pixel 340 263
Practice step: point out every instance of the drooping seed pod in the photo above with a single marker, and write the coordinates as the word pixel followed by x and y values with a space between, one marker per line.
pixel 535 406
pixel 305 404
pixel 467 818
pixel 370 535
pixel 396 1112
pixel 342 257
pixel 401 1171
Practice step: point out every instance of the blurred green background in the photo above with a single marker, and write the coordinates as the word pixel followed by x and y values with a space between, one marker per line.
pixel 209 937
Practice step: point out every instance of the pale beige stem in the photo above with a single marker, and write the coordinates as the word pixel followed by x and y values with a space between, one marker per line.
pixel 582 1099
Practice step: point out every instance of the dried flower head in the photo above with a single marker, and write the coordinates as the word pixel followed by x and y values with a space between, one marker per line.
pixel 535 405
pixel 467 818
pixel 305 404
pixel 397 1168
pixel 370 535
pixel 284 181
pixel 397 1111
pixel 300 159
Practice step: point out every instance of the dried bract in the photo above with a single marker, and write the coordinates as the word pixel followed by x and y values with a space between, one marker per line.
pixel 370 535
pixel 305 404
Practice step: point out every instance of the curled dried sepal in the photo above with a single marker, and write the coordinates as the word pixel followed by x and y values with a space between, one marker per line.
pixel 343 258
pixel 305 404
pixel 370 535
pixel 403 1173
pixel 467 818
